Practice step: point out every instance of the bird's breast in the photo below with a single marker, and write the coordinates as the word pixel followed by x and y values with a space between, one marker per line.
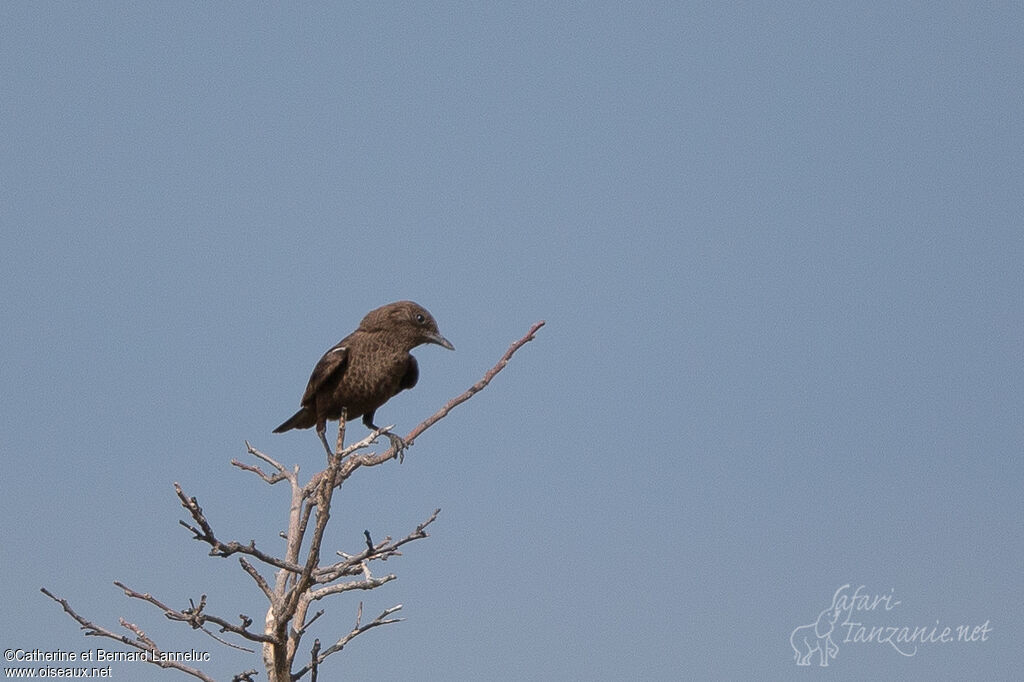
pixel 370 380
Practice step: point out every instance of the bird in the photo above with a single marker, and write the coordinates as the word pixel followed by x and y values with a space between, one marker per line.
pixel 366 369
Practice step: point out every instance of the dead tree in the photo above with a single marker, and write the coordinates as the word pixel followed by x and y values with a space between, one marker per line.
pixel 300 576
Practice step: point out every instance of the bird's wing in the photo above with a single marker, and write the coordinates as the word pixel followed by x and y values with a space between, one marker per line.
pixel 327 371
pixel 411 376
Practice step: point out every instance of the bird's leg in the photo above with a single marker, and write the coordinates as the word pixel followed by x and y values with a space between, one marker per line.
pixel 321 430
pixel 397 443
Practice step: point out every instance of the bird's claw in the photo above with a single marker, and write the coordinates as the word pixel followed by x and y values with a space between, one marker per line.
pixel 399 445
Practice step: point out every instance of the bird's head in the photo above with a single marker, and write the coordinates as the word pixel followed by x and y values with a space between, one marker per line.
pixel 407 321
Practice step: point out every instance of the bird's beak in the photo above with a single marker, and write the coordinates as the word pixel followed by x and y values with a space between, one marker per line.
pixel 441 341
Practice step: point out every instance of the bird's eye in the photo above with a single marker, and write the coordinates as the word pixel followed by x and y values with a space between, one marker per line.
pixel 420 318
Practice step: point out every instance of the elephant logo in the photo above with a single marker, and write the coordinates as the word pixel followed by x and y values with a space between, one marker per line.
pixel 816 637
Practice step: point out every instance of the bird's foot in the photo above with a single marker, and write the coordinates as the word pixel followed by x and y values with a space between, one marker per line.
pixel 399 445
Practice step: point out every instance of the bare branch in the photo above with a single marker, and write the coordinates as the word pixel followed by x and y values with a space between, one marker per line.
pixel 150 598
pixel 290 603
pixel 205 534
pixel 195 617
pixel 90 628
pixel 226 643
pixel 313 486
pixel 266 458
pixel 367 584
pixel 314 663
pixel 309 622
pixel 475 388
pixel 359 629
pixel 352 565
pixel 276 478
pixel 260 581
pixel 141 641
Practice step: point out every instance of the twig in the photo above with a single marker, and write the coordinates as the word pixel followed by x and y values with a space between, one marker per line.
pixel 387 548
pixel 281 475
pixel 309 622
pixel 260 581
pixel 266 458
pixel 315 655
pixel 195 617
pixel 141 642
pixel 205 534
pixel 382 619
pixel 475 388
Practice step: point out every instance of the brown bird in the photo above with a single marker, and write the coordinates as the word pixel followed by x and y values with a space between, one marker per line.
pixel 366 368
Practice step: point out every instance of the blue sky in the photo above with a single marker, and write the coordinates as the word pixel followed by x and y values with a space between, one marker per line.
pixel 778 248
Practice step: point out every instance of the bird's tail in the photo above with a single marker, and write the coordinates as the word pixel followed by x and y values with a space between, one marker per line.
pixel 302 419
